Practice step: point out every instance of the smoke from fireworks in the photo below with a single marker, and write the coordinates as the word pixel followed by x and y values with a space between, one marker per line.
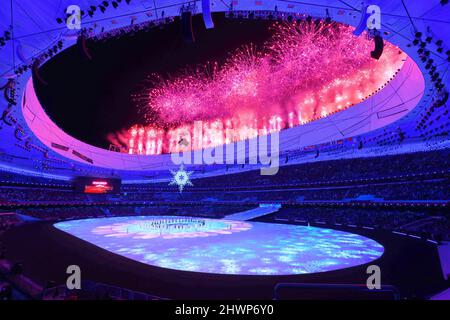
pixel 305 71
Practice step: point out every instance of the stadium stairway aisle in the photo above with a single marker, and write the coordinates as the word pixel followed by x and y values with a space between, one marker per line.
pixel 262 210
pixel 444 256
pixel 445 295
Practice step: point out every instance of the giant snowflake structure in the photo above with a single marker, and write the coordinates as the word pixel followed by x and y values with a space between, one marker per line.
pixel 181 178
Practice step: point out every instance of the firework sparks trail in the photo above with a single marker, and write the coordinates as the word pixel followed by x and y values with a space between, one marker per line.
pixel 304 72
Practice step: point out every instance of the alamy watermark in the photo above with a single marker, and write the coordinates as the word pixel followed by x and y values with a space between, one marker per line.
pixel 374 19
pixel 74 280
pixel 73 21
pixel 374 280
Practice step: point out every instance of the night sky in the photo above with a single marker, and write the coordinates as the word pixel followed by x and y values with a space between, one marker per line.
pixel 89 99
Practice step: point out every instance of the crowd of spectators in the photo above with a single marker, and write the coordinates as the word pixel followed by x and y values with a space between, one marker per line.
pixel 7 221
pixel 438 228
pixel 23 194
pixel 13 178
pixel 415 176
pixel 394 219
pixel 406 178
pixel 387 168
pixel 436 189
pixel 430 190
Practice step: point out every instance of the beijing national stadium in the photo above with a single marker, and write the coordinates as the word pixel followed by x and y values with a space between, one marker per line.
pixel 224 150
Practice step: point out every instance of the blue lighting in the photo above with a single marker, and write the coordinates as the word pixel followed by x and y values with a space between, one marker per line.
pixel 4 167
pixel 224 246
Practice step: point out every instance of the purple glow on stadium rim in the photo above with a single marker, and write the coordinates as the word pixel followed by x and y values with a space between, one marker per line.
pixel 224 246
pixel 399 98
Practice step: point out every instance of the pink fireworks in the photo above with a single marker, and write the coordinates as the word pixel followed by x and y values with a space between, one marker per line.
pixel 305 71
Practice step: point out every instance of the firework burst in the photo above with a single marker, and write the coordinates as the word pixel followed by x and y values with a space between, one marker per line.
pixel 305 71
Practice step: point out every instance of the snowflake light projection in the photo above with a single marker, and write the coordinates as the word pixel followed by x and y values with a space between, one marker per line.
pixel 181 178
pixel 305 71
pixel 224 246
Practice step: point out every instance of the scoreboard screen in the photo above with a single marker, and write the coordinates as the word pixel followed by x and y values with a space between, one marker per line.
pixel 97 185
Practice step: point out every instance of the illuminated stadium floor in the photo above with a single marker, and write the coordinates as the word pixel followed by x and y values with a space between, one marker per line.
pixel 224 246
